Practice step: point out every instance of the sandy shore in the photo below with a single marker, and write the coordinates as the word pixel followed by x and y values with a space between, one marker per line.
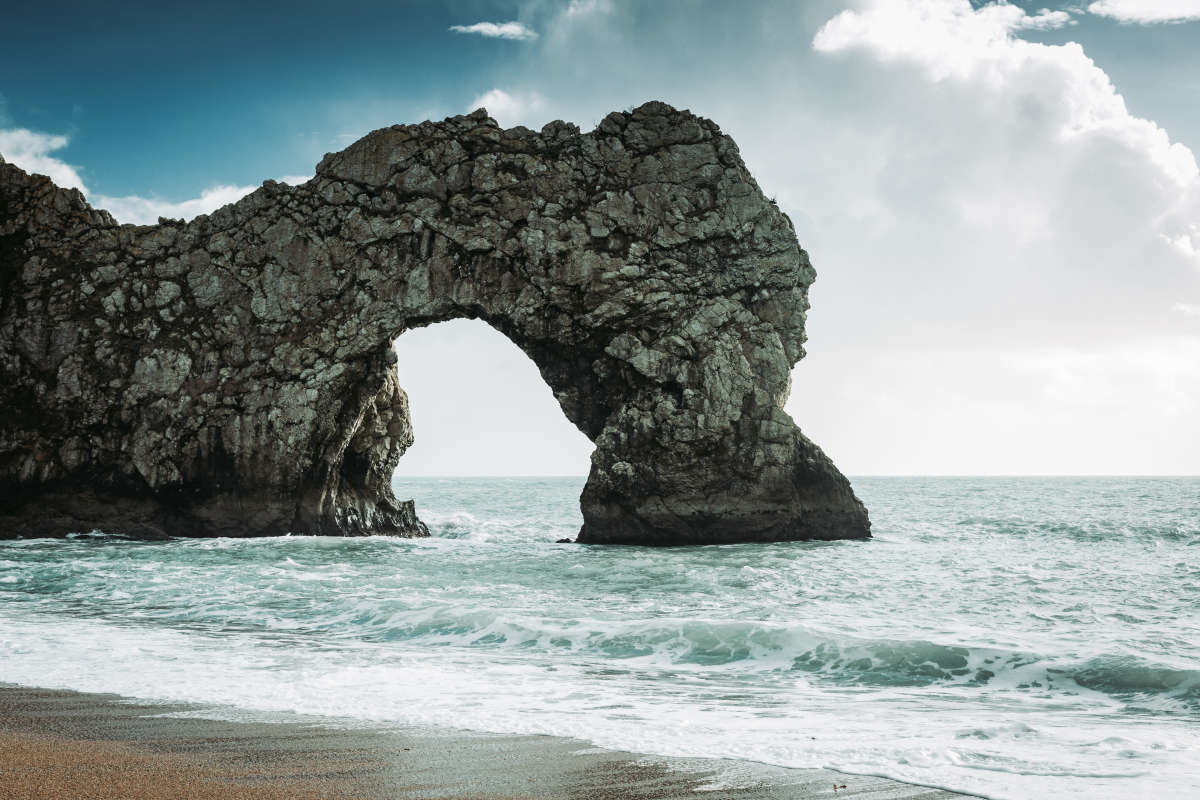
pixel 65 746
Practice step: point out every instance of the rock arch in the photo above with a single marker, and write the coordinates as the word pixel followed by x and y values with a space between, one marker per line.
pixel 234 376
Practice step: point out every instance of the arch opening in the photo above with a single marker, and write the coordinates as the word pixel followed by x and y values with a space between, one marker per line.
pixel 480 408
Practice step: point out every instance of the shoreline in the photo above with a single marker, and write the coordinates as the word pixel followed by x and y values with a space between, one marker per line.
pixel 63 744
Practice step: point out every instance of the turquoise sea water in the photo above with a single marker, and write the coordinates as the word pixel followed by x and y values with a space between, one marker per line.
pixel 1016 638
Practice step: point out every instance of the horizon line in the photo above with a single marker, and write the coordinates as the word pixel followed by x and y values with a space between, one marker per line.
pixel 861 475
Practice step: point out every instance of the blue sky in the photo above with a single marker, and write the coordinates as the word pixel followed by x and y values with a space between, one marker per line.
pixel 169 98
pixel 1001 201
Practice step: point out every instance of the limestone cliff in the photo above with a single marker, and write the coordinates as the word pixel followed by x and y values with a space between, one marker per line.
pixel 234 375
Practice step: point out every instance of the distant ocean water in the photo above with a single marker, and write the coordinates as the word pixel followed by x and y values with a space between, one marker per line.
pixel 1015 638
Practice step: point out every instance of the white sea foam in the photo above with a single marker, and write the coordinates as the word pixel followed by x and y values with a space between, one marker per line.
pixel 965 652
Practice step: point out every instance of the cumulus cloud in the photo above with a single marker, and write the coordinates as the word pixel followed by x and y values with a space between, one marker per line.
pixel 147 210
pixel 990 223
pixel 1187 242
pixel 1046 20
pixel 497 30
pixel 1064 129
pixel 948 38
pixel 1147 12
pixel 508 109
pixel 34 152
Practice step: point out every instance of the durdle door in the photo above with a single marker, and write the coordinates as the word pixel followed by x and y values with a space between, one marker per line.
pixel 234 375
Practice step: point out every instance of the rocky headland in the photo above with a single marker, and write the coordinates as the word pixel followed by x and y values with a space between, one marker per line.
pixel 234 375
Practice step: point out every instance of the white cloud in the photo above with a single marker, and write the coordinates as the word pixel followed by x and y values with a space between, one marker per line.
pixel 1059 114
pixel 1061 220
pixel 1046 20
pixel 508 109
pixel 1147 12
pixel 989 222
pixel 950 38
pixel 146 210
pixel 498 30
pixel 31 151
pixel 1190 309
pixel 1187 242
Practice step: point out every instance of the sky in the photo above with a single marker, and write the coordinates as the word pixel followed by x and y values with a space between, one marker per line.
pixel 1001 200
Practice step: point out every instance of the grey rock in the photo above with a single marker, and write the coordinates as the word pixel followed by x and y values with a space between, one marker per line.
pixel 234 375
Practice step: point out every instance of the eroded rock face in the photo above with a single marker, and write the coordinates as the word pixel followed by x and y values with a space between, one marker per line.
pixel 234 375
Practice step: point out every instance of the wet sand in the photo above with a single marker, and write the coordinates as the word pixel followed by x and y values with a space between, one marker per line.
pixel 57 745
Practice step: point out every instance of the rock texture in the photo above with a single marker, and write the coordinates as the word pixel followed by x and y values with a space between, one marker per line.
pixel 234 375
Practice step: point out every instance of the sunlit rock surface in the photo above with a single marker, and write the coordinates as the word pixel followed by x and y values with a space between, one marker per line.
pixel 234 375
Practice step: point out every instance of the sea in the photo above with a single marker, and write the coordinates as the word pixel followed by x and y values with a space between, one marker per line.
pixel 1008 637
